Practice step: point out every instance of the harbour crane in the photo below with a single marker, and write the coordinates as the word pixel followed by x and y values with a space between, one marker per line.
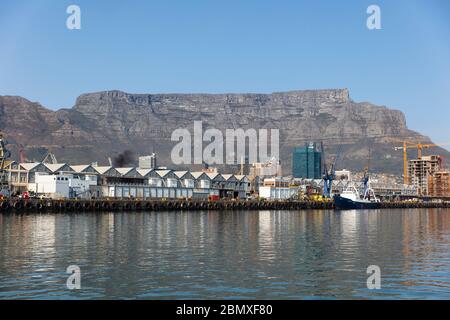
pixel 328 175
pixel 366 177
pixel 413 145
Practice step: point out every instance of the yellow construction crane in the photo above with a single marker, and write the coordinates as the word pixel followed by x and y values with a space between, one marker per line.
pixel 409 145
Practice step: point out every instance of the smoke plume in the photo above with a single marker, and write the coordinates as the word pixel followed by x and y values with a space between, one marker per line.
pixel 123 159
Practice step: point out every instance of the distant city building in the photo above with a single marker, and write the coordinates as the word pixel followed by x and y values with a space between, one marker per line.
pixel 343 175
pixel 439 184
pixel 307 162
pixel 147 162
pixel 277 182
pixel 420 170
pixel 210 170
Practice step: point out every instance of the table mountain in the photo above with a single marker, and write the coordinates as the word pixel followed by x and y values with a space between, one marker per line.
pixel 104 124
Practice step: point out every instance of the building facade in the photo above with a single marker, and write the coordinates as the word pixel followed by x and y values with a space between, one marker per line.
pixel 147 162
pixel 92 181
pixel 420 170
pixel 270 168
pixel 307 162
pixel 278 188
pixel 439 184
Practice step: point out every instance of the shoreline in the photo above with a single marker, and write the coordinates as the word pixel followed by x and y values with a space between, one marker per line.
pixel 48 205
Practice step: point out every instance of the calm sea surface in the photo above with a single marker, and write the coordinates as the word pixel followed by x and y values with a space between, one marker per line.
pixel 227 255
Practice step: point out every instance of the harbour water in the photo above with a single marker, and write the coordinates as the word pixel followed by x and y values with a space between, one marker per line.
pixel 227 255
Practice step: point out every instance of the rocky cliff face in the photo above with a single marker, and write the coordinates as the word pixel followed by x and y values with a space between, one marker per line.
pixel 106 123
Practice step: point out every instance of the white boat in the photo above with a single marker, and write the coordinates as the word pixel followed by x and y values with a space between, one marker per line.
pixel 351 199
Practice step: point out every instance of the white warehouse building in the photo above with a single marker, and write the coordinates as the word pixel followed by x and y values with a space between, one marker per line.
pixel 93 181
pixel 60 185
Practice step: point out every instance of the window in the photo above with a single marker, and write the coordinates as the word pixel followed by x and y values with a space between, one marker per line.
pixel 189 183
pixel 172 183
pixel 155 182
pixel 204 184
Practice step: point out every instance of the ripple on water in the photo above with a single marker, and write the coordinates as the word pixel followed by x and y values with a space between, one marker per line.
pixel 227 255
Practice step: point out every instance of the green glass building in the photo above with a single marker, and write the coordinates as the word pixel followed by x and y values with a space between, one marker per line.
pixel 307 162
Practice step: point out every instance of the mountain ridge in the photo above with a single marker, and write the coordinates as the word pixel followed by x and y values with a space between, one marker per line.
pixel 105 123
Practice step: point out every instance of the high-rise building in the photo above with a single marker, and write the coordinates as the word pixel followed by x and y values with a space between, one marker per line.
pixel 147 162
pixel 307 162
pixel 419 171
pixel 439 184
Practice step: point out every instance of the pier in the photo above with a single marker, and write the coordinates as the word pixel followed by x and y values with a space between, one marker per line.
pixel 76 206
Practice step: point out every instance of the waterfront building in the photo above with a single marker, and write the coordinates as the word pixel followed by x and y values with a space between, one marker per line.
pixel 439 184
pixel 131 182
pixel 242 187
pixel 278 188
pixel 202 180
pixel 279 193
pixel 84 169
pixel 59 186
pixel 59 168
pixel 93 181
pixel 21 174
pixel 307 162
pixel 277 182
pixel 217 182
pixel 129 173
pixel 16 176
pixel 420 170
pixel 186 179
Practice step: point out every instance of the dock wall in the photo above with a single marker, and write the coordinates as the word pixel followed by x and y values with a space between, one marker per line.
pixel 35 205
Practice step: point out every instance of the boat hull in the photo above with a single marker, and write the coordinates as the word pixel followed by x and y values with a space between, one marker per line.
pixel 348 204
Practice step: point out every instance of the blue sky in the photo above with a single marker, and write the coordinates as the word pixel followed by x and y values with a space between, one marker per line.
pixel 232 46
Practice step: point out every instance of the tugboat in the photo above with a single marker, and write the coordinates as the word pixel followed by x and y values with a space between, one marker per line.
pixel 350 198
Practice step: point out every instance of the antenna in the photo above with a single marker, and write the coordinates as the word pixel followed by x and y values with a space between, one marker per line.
pixel 324 163
pixel 369 158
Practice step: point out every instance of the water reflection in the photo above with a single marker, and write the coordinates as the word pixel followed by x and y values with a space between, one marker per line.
pixel 265 254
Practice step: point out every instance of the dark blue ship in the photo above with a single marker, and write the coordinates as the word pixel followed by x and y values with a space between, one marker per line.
pixel 350 199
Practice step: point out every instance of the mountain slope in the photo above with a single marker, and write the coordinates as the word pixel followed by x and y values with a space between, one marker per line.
pixel 106 123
